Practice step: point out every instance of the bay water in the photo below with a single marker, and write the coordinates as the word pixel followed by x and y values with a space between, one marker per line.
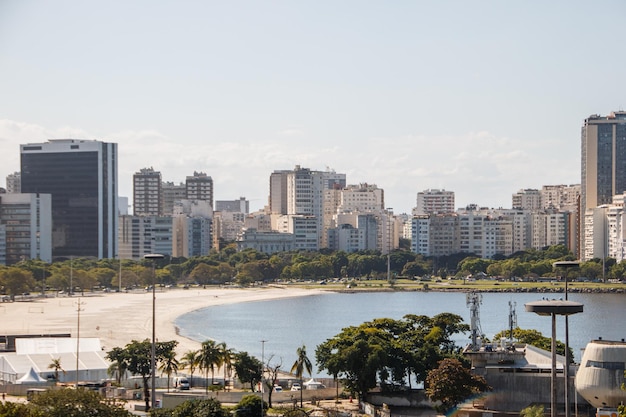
pixel 277 328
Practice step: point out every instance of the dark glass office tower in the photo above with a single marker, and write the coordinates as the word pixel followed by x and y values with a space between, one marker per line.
pixel 81 176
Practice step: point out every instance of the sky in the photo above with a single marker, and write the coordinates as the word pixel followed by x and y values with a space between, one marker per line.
pixel 482 98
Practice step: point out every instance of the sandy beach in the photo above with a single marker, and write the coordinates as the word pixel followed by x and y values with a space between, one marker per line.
pixel 118 318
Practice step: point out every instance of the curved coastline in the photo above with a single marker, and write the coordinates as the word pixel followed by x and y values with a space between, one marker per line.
pixel 118 318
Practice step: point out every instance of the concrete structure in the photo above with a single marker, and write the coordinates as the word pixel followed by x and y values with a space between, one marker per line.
pixel 147 193
pixel 434 201
pixel 601 374
pixel 199 186
pixel 14 183
pixel 81 176
pixel 562 197
pixel 143 235
pixel 25 227
pixel 354 232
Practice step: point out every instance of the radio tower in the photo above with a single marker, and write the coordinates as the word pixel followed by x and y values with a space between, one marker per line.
pixel 473 302
pixel 512 319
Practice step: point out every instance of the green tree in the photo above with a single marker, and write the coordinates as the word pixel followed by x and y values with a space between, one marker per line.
pixel 226 360
pixel 16 281
pixel 248 369
pixel 169 365
pixel 301 364
pixel 209 359
pixel 250 406
pixel 56 366
pixel 535 338
pixel 533 411
pixel 117 369
pixel 450 383
pixel 74 403
pixel 137 359
pixel 191 360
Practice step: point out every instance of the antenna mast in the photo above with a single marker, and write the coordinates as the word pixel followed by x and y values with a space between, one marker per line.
pixel 512 319
pixel 473 302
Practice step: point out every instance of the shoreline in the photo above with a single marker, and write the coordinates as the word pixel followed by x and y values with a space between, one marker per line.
pixel 118 318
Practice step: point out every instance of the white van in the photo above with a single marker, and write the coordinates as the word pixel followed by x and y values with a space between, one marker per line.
pixel 181 382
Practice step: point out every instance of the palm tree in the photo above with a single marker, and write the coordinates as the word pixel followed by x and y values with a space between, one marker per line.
pixel 56 365
pixel 226 359
pixel 117 369
pixel 209 359
pixel 169 365
pixel 191 360
pixel 301 363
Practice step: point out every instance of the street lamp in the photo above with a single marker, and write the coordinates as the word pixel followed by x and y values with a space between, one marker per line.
pixel 153 257
pixel 566 265
pixel 262 372
pixel 554 308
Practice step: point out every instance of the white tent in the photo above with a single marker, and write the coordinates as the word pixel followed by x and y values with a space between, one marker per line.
pixel 313 384
pixel 31 377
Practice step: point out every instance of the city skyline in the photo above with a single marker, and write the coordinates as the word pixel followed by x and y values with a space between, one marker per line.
pixel 482 99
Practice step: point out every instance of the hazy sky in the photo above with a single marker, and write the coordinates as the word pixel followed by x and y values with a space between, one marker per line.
pixel 478 97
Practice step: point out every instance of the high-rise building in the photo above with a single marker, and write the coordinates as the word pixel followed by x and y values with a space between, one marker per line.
pixel 199 186
pixel 14 183
pixel 603 160
pixel 81 176
pixel 25 227
pixel 141 235
pixel 434 201
pixel 147 193
pixel 171 193
pixel 528 199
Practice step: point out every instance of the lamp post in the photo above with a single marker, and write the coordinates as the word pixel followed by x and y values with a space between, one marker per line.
pixel 566 265
pixel 79 304
pixel 153 257
pixel 262 372
pixel 553 308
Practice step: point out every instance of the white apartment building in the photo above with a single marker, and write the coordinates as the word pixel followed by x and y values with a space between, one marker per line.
pixel 528 199
pixel 301 192
pixel 14 183
pixel 192 228
pixel 25 227
pixel 355 232
pixel 142 235
pixel 433 201
pixel 562 197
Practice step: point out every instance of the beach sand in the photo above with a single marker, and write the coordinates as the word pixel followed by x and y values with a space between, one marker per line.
pixel 118 318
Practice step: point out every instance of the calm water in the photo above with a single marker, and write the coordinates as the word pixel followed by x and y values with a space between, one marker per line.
pixel 288 324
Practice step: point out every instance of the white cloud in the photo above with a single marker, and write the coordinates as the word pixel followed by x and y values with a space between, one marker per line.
pixel 479 166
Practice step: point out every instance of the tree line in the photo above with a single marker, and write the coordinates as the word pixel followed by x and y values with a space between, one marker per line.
pixel 229 266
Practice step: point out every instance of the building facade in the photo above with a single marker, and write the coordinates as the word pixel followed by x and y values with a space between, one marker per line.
pixel 81 177
pixel 25 227
pixel 433 201
pixel 147 193
pixel 199 186
pixel 603 162
pixel 142 235
pixel 14 183
pixel 171 193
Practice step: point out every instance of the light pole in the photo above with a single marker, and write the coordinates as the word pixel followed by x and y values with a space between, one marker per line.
pixel 262 372
pixel 566 265
pixel 553 308
pixel 153 257
pixel 79 304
